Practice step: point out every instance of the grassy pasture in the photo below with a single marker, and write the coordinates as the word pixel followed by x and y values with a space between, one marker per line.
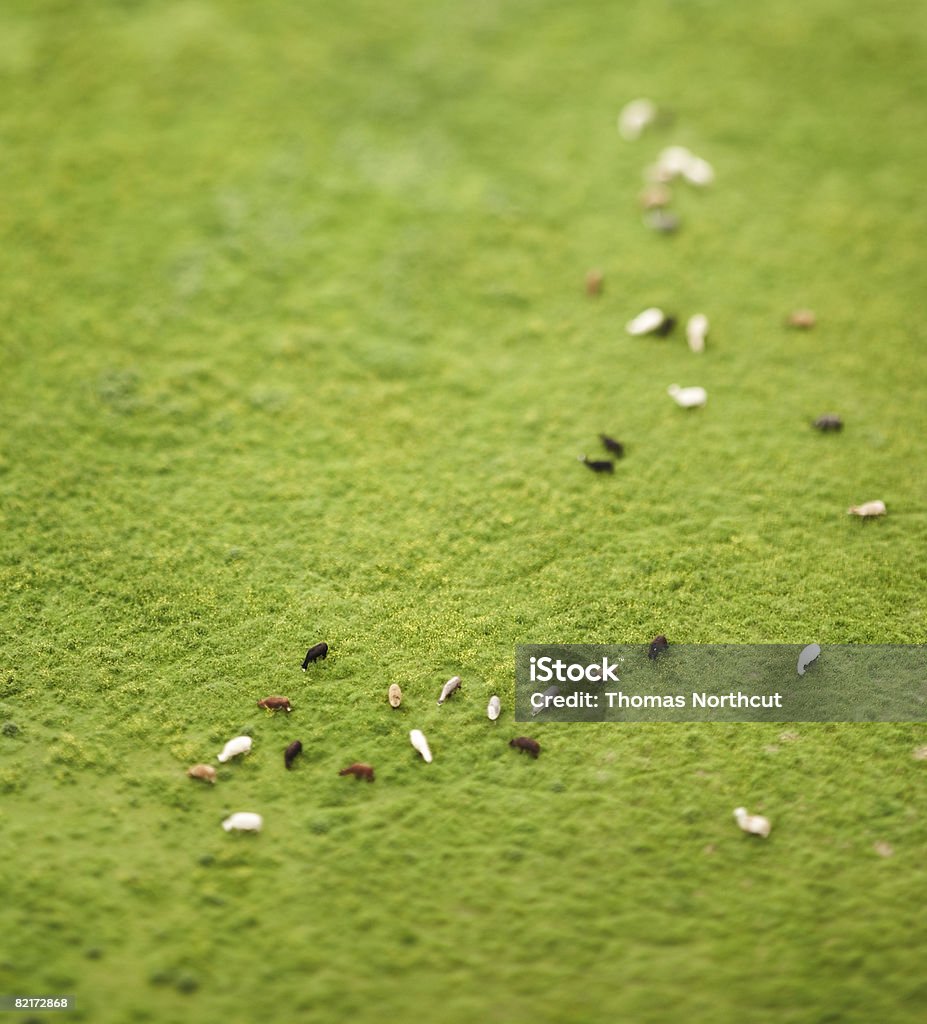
pixel 295 347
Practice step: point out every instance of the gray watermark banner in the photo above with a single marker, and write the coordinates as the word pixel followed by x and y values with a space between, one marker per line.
pixel 661 682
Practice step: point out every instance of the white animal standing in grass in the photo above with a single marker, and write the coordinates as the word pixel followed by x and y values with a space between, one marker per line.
pixel 677 161
pixel 449 687
pixel 755 824
pixel 672 161
pixel 697 331
pixel 243 821
pixel 551 691
pixel 688 398
pixel 417 738
pixel 635 117
pixel 494 709
pixel 234 747
pixel 698 172
pixel 807 655
pixel 868 508
pixel 650 320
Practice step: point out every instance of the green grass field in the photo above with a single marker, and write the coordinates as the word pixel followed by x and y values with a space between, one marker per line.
pixel 295 347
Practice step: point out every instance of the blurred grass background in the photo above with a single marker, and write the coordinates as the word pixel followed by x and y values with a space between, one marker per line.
pixel 295 347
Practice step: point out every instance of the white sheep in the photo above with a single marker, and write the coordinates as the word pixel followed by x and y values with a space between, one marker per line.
pixel 755 824
pixel 698 172
pixel 634 118
pixel 688 398
pixel 672 162
pixel 868 508
pixel 676 161
pixel 243 821
pixel 650 320
pixel 449 687
pixel 807 655
pixel 696 332
pixel 234 747
pixel 494 709
pixel 417 738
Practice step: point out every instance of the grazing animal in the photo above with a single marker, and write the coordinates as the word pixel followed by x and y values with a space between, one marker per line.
pixel 551 691
pixel 449 687
pixel 314 654
pixel 359 771
pixel 698 172
pixel 829 421
pixel 206 772
pixel 697 331
pixel 677 160
pixel 417 739
pixel 595 279
pixel 657 646
pixel 598 465
pixel 755 824
pixel 243 821
pixel 275 703
pixel 611 445
pixel 526 743
pixel 494 708
pixel 803 319
pixel 807 656
pixel 234 747
pixel 291 753
pixel 667 223
pixel 650 320
pixel 672 161
pixel 656 196
pixel 395 695
pixel 868 508
pixel 688 398
pixel 635 117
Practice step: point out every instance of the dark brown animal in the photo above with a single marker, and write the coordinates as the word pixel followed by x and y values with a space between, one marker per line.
pixel 829 421
pixel 615 447
pixel 526 743
pixel 359 771
pixel 314 654
pixel 275 703
pixel 291 753
pixel 657 646
pixel 599 465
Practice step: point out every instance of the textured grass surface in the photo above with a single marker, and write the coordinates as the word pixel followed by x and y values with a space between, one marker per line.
pixel 294 348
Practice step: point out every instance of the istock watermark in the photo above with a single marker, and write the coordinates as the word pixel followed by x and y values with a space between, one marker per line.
pixel 721 683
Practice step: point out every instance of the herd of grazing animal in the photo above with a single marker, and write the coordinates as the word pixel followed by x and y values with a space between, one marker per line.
pixel 249 821
pixel 678 163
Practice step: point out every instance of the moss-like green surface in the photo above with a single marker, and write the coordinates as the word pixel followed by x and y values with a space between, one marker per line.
pixel 295 347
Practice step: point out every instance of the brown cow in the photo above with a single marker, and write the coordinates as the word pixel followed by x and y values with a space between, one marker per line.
pixel 206 772
pixel 359 771
pixel 526 743
pixel 275 703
